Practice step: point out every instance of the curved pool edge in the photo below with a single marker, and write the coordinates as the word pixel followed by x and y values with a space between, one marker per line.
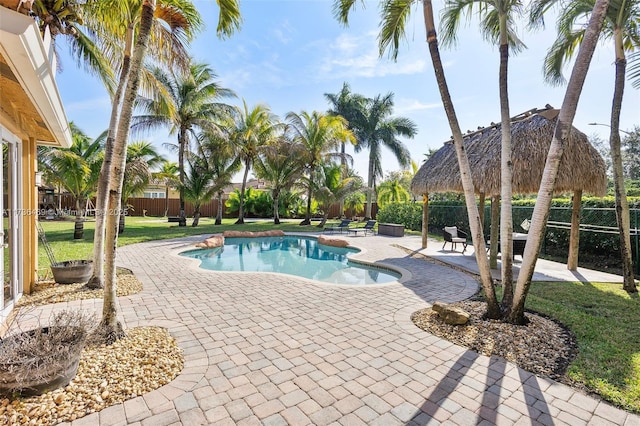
pixel 405 275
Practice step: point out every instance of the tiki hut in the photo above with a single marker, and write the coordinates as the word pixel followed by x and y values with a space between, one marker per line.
pixel 581 168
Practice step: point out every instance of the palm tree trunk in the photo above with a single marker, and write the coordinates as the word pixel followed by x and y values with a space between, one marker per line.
pixel 196 215
pixel 276 213
pixel 307 215
pixel 367 213
pixel 219 212
pixel 166 200
pixel 97 278
pixel 558 143
pixel 622 205
pixel 182 141
pixel 242 189
pixel 110 327
pixel 506 172
pixel 493 309
pixel 493 232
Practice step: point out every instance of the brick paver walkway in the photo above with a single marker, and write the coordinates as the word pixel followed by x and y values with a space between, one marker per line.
pixel 274 349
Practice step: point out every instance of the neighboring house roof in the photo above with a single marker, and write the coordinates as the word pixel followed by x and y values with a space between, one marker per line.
pixel 251 183
pixel 30 103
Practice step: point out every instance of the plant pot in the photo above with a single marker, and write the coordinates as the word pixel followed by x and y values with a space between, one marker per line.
pixel 33 373
pixel 72 271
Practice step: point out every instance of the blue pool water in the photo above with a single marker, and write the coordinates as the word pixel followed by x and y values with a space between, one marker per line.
pixel 292 255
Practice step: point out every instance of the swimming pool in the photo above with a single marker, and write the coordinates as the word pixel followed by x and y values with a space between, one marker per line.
pixel 293 255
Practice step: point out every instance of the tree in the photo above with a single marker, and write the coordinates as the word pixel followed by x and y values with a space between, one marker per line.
pixel 620 24
pixel 631 154
pixel 141 158
pixel 331 187
pixel 77 167
pixel 497 25
pixel 186 103
pixel 168 176
pixel 222 162
pixel 278 166
pixel 394 17
pixel 392 191
pixel 198 187
pixel 319 134
pixel 252 130
pixel 375 128
pixel 111 329
pixel 121 19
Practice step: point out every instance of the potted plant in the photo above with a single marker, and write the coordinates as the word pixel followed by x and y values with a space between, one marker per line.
pixel 72 271
pixel 45 358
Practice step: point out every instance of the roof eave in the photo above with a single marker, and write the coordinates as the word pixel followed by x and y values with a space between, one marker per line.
pixel 29 59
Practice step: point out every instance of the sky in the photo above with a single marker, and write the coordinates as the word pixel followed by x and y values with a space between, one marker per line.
pixel 288 54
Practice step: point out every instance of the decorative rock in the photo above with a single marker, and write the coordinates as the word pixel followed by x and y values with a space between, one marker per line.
pixel 212 241
pixel 335 242
pixel 451 314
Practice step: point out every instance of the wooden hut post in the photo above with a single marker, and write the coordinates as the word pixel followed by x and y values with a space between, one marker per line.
pixel 425 219
pixel 495 228
pixel 574 240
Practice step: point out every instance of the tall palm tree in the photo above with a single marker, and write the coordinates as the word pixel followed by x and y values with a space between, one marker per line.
pixel 348 105
pixel 278 167
pixel 252 130
pixel 188 102
pixel 168 176
pixel 374 128
pixel 393 22
pixel 179 24
pixel 497 25
pixel 319 134
pixel 621 25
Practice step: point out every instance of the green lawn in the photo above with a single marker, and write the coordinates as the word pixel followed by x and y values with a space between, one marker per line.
pixel 604 318
pixel 606 322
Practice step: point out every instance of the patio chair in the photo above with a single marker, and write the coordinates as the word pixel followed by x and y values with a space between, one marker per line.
pixel 344 224
pixel 368 227
pixel 454 236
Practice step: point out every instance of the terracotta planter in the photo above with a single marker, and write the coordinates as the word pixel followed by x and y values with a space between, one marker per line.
pixel 72 271
pixel 44 373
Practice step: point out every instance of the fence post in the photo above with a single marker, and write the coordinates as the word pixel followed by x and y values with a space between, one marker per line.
pixel 635 216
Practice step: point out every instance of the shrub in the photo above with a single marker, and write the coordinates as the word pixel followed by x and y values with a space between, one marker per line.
pixel 407 214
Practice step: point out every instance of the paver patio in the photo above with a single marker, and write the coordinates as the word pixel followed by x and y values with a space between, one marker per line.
pixel 275 349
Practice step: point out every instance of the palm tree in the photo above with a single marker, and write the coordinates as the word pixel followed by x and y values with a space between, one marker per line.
pixel 186 103
pixel 497 25
pixel 198 187
pixel 330 187
pixel 77 166
pixel 620 24
pixel 252 130
pixel 278 167
pixel 180 22
pixel 375 128
pixel 75 21
pixel 319 134
pixel 392 191
pixel 141 158
pixel 394 17
pixel 168 176
pixel 221 161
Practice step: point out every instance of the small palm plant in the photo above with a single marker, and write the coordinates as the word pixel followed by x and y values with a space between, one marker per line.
pixel 198 187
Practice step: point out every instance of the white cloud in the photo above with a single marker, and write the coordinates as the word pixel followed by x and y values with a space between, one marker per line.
pixel 284 34
pixel 349 56
pixel 406 106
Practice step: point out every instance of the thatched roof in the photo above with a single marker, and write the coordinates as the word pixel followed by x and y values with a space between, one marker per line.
pixel 581 166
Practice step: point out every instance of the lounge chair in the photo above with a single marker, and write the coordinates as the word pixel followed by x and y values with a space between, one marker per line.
pixel 454 236
pixel 368 227
pixel 344 224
